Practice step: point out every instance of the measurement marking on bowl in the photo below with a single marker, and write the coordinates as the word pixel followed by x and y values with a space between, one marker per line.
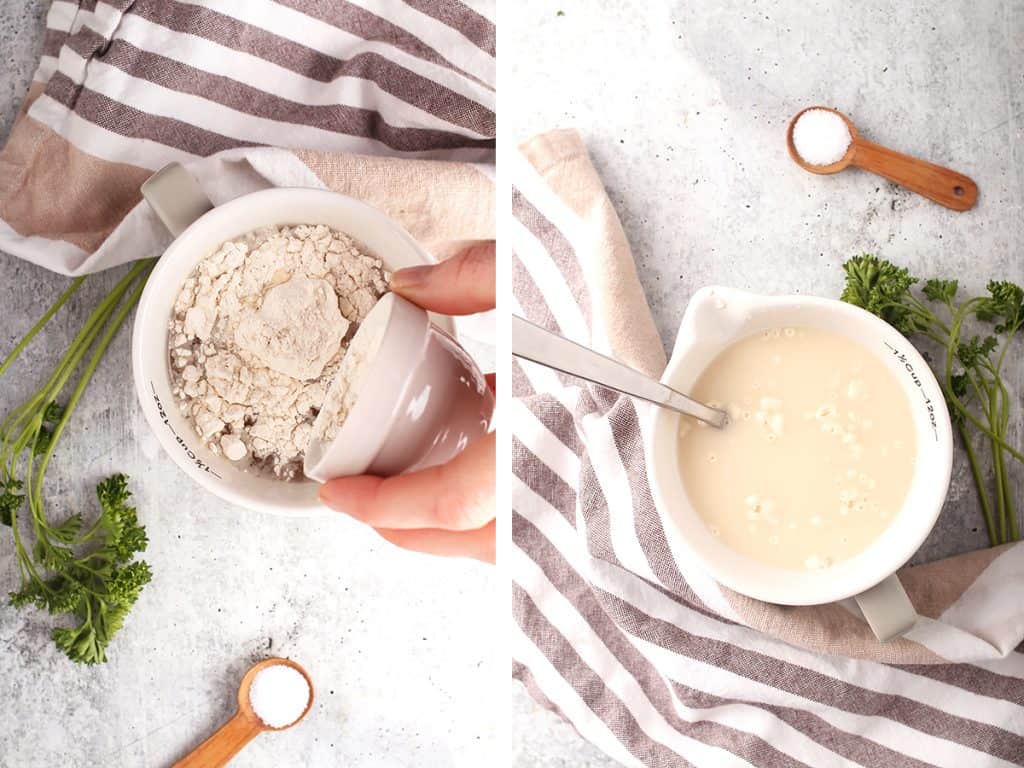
pixel 909 367
pixel 178 438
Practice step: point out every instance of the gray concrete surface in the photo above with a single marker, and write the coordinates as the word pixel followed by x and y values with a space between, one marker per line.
pixel 684 107
pixel 21 26
pixel 400 646
pixel 541 739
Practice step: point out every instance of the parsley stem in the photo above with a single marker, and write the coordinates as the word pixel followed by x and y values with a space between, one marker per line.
pixel 999 471
pixel 1007 487
pixel 922 311
pixel 1006 345
pixel 981 392
pixel 951 347
pixel 79 345
pixel 35 526
pixel 142 268
pixel 986 507
pixel 47 316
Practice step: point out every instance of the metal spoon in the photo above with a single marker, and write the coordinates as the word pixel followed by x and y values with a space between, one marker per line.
pixel 243 727
pixel 945 187
pixel 539 345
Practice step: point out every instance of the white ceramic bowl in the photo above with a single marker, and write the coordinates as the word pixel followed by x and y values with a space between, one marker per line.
pixel 403 423
pixel 377 233
pixel 717 317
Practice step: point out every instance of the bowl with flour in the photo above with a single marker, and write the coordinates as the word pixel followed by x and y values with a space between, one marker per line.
pixel 244 324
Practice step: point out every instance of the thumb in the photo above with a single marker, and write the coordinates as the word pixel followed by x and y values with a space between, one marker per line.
pixel 461 285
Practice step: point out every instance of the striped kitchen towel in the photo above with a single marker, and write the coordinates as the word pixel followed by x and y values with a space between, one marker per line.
pixel 389 101
pixel 647 657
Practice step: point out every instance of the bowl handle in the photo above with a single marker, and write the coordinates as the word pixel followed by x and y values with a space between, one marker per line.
pixel 887 609
pixel 175 197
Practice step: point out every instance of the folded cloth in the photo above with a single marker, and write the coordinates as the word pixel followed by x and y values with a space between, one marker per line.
pixel 649 658
pixel 389 102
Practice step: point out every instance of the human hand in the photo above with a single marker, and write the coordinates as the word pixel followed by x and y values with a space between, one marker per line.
pixel 447 509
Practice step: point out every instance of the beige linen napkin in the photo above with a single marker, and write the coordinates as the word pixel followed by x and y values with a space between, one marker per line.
pixel 353 100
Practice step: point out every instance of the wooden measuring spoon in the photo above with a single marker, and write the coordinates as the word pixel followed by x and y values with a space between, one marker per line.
pixel 227 742
pixel 945 187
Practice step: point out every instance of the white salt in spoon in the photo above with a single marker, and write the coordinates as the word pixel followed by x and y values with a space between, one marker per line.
pixel 945 187
pixel 539 345
pixel 245 725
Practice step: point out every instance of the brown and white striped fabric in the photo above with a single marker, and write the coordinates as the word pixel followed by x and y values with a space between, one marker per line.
pixel 645 656
pixel 347 92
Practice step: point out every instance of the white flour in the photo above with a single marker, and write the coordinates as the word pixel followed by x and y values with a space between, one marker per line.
pixel 258 332
pixel 344 389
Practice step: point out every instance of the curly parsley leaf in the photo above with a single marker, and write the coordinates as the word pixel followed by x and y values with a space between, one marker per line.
pixel 940 290
pixel 1004 306
pixel 882 289
pixel 10 500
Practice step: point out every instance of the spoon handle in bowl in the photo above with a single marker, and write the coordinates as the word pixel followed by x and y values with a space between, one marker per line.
pixel 945 187
pixel 227 742
pixel 539 345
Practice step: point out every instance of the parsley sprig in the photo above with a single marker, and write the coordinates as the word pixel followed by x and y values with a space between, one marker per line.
pixel 89 574
pixel 972 371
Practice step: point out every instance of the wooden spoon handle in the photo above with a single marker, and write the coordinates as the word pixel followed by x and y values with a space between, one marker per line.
pixel 218 750
pixel 945 187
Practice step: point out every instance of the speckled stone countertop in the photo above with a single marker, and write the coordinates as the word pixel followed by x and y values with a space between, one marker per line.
pixel 684 108
pixel 400 646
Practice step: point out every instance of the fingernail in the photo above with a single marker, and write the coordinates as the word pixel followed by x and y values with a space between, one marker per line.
pixel 410 277
pixel 330 496
pixel 342 495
